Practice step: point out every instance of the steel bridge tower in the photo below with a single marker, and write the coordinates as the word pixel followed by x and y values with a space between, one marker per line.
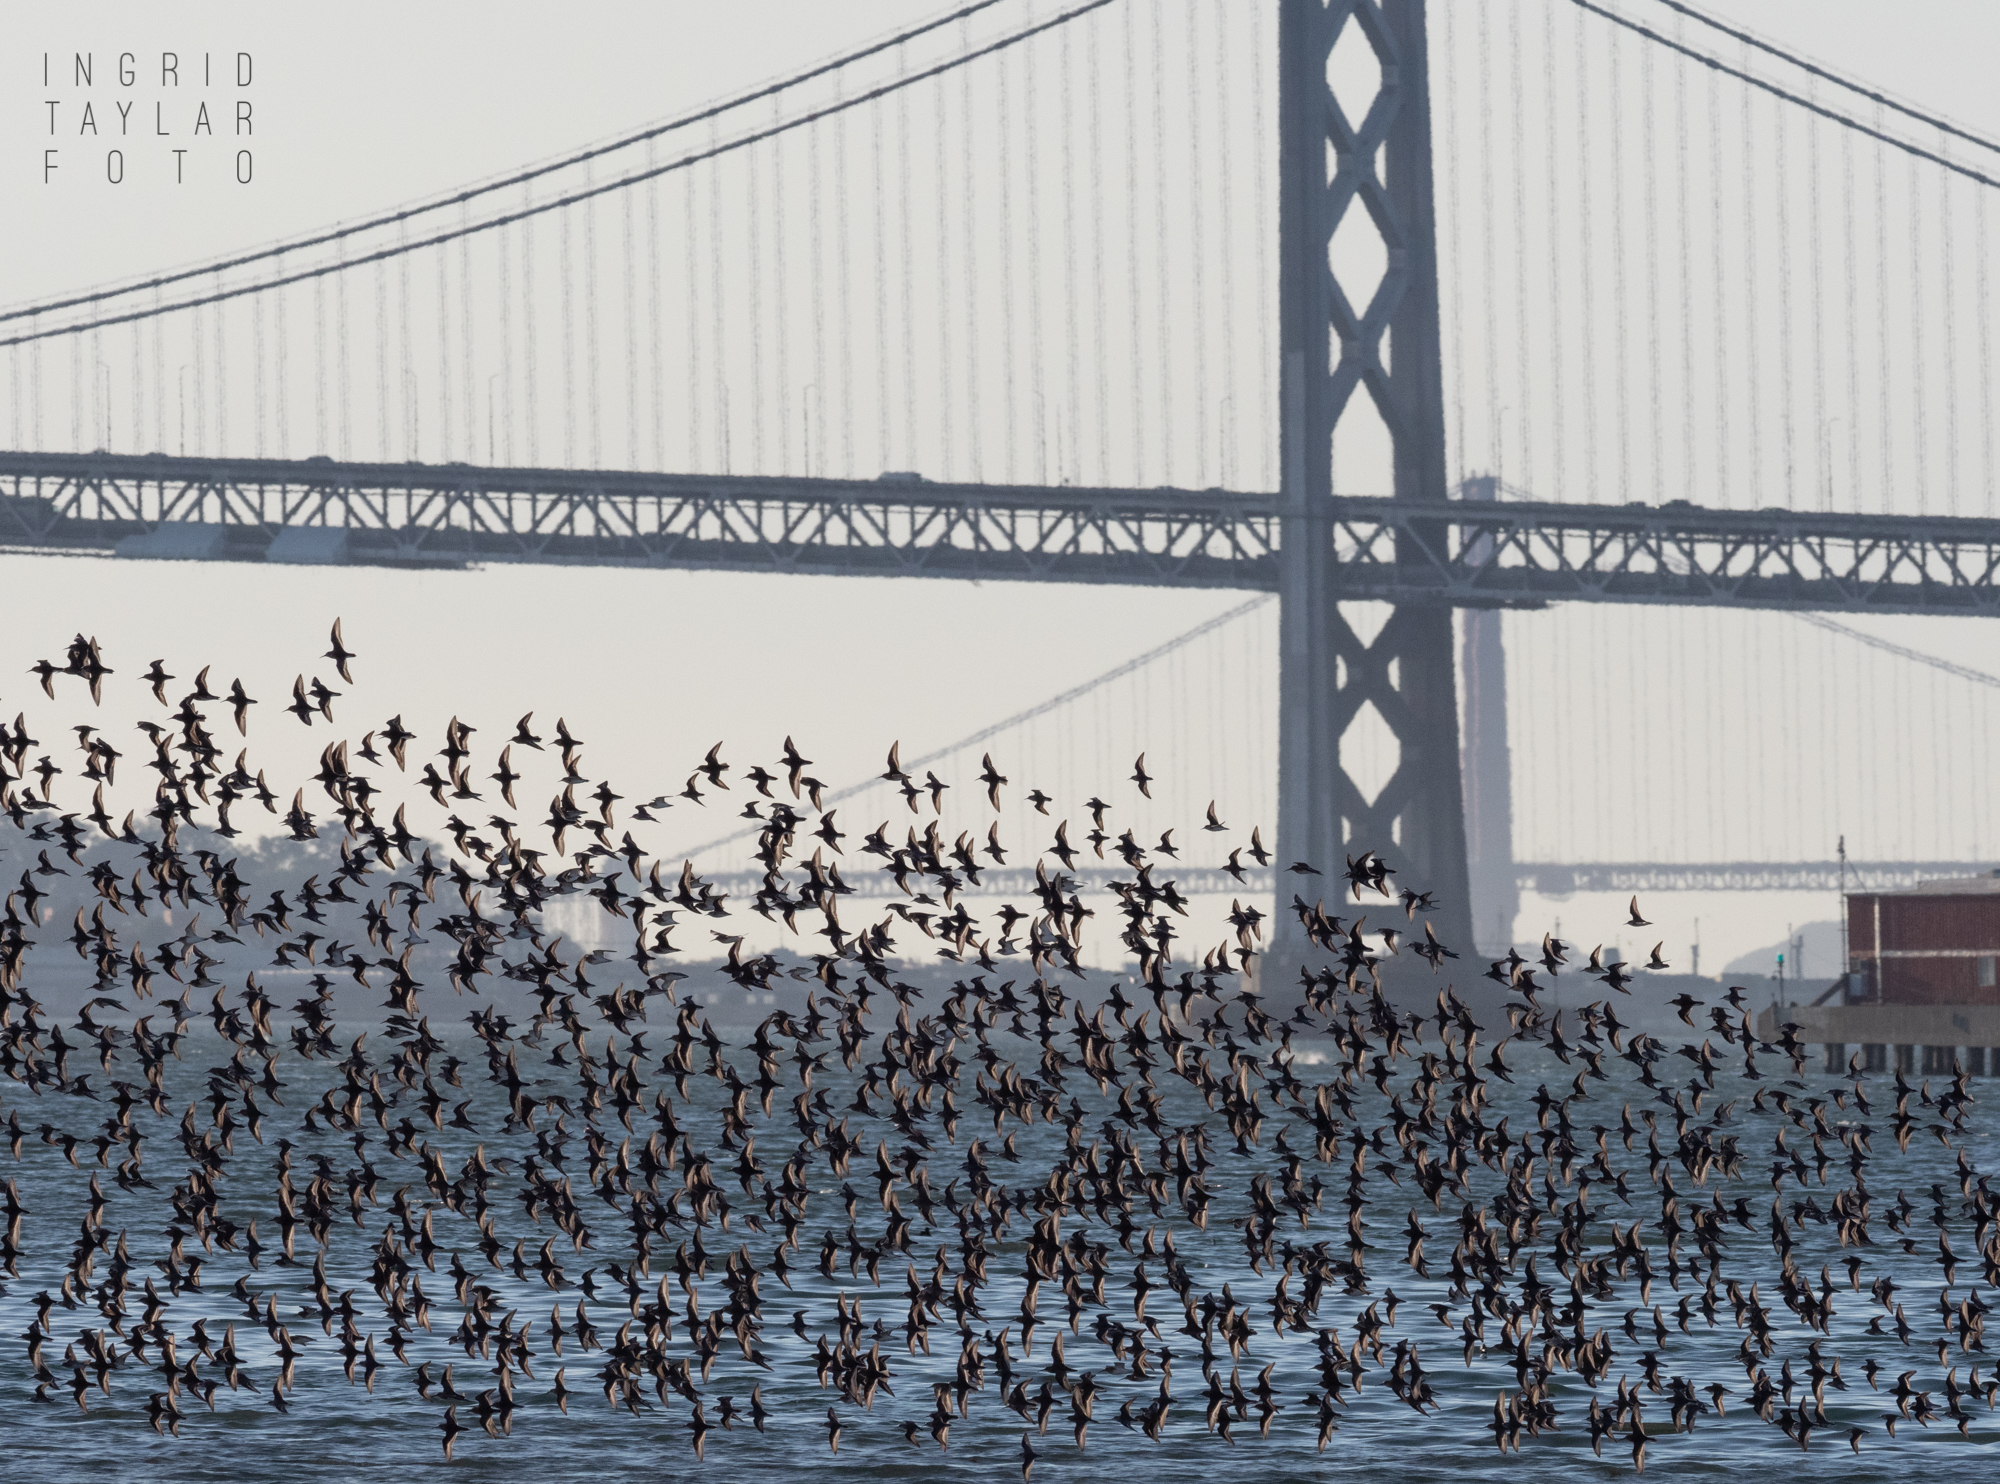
pixel 1332 163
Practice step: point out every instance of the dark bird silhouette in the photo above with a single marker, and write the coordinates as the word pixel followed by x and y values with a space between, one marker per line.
pixel 1257 851
pixel 569 1066
pixel 241 702
pixel 1141 777
pixel 992 778
pixel 340 655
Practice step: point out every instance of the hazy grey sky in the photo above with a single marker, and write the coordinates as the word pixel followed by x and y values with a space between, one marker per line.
pixel 379 102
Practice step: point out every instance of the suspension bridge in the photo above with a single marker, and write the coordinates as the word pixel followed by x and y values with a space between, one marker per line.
pixel 1481 308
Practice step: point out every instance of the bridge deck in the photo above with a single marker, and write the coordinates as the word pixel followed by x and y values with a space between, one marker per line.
pixel 1461 553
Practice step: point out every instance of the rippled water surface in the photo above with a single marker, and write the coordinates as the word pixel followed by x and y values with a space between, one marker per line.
pixel 337 1429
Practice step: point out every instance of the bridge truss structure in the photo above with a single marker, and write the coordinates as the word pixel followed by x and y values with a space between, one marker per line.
pixel 1448 553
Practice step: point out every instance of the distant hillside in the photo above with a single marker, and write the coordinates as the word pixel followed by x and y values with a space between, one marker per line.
pixel 1819 956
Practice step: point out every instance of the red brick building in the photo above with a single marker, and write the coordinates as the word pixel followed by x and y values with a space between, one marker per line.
pixel 1937 944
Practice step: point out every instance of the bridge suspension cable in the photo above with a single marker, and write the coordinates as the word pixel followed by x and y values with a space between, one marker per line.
pixel 1054 703
pixel 406 246
pixel 1798 100
pixel 1814 69
pixel 1887 646
pixel 403 214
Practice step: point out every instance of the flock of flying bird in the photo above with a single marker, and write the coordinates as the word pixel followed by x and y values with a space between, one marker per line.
pixel 1141 1141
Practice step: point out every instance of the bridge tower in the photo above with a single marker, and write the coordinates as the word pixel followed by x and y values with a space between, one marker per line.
pixel 1371 156
pixel 1489 782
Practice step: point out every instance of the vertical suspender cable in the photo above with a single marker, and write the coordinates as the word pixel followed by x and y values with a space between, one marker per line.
pixel 946 407
pixel 1554 487
pixel 1748 334
pixel 160 377
pixel 445 430
pixel 257 373
pixel 500 417
pixel 1073 327
pixel 656 344
pixel 629 316
pixel 322 439
pixel 1264 150
pixel 199 379
pixel 1815 231
pixel 76 434
pixel 1100 347
pixel 718 311
pixel 221 372
pixel 1918 276
pixel 845 340
pixel 593 359
pixel 1682 219
pixel 406 392
pixel 909 296
pixel 881 196
pixel 1718 295
pixel 1037 362
pixel 1620 298
pixel 1676 677
pixel 1885 440
pixel 1228 132
pixel 1197 246
pixel 1655 449
pixel 1947 256
pixel 691 237
pixel 753 274
pixel 468 398
pixel 1944 792
pixel 1004 178
pixel 1136 380
pixel 281 313
pixel 530 323
pixel 35 379
pixel 1489 277
pixel 1451 275
pixel 781 305
pixel 1983 318
pixel 815 409
pixel 566 330
pixel 1523 340
pixel 971 182
pixel 1780 198
pixel 138 380
pixel 1852 322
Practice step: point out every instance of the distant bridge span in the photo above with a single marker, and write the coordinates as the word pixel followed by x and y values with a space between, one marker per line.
pixel 1543 877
